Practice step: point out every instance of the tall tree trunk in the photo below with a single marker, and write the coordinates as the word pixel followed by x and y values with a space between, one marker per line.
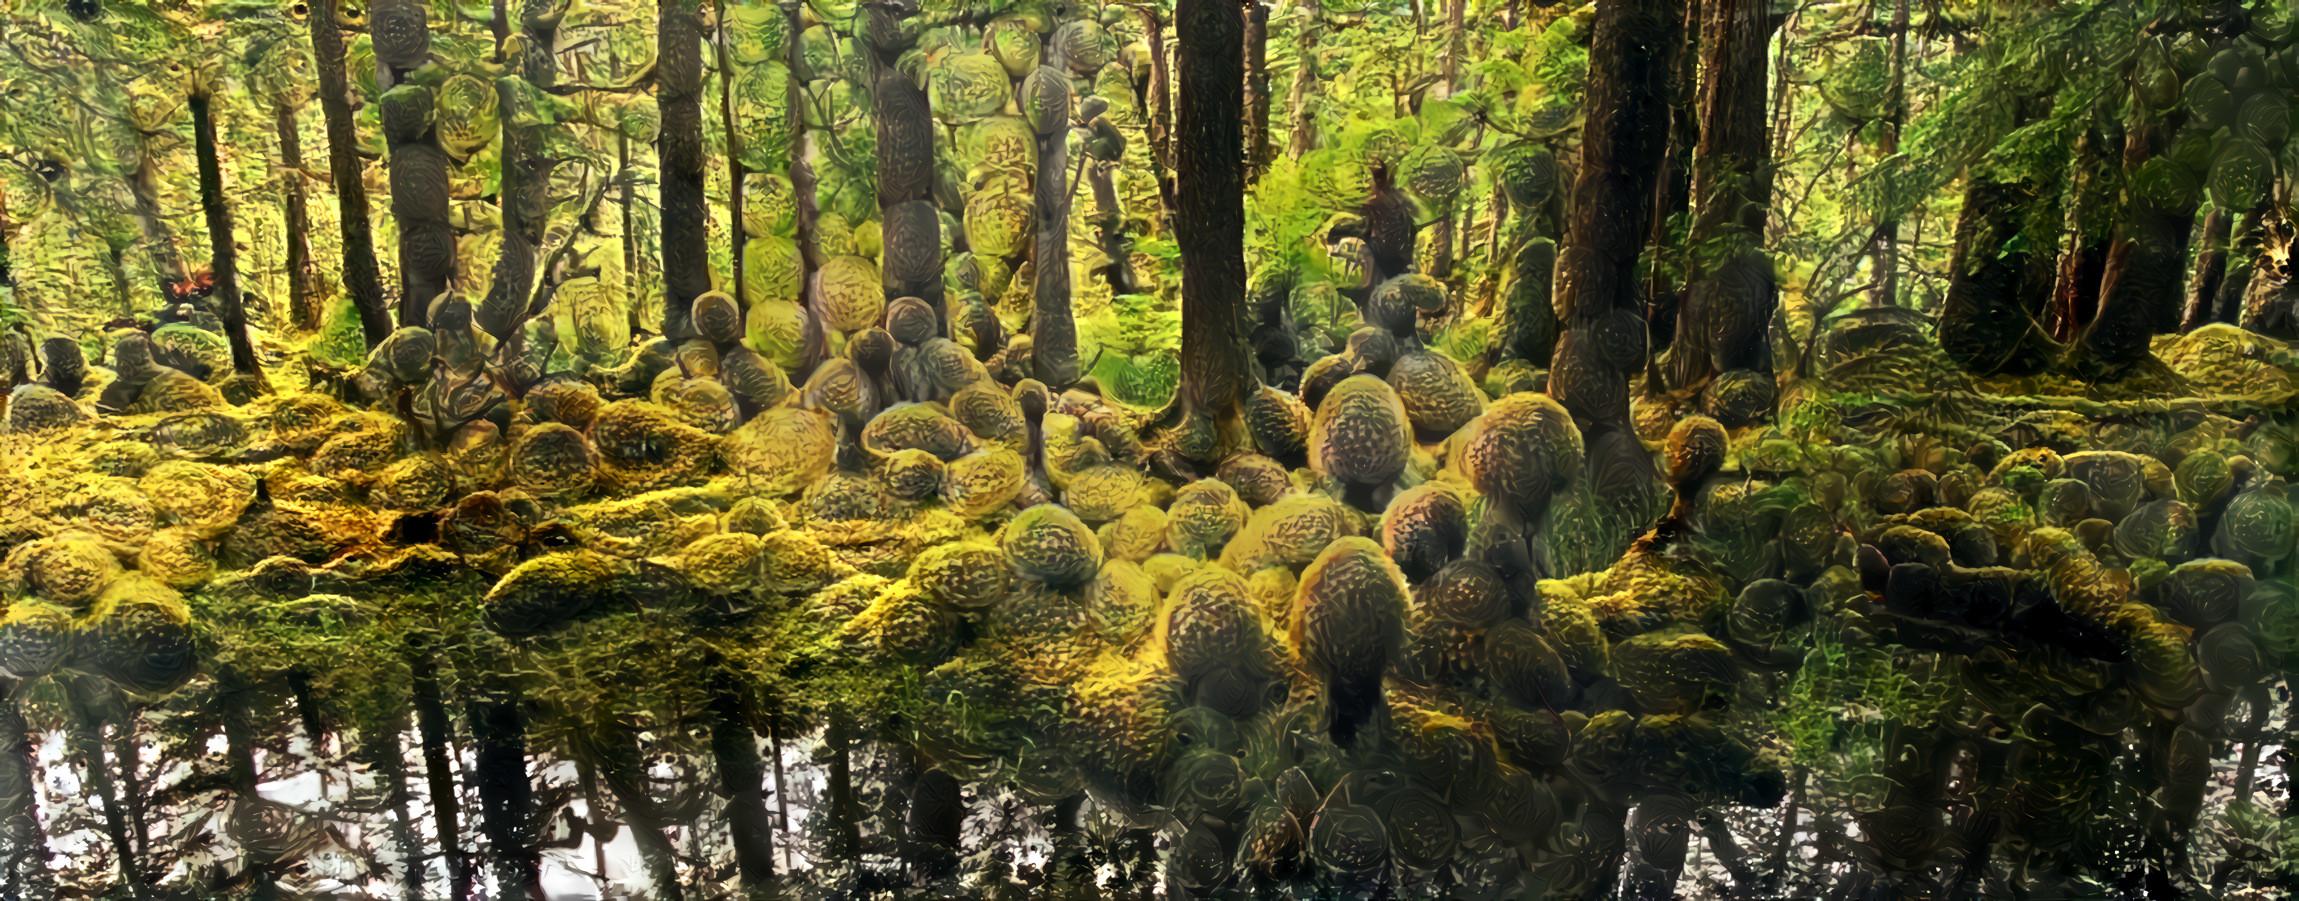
pixel 526 174
pixel 1161 121
pixel 734 746
pixel 1256 90
pixel 419 205
pixel 910 227
pixel 86 730
pixel 1300 130
pixel 685 211
pixel 1611 211
pixel 24 860
pixel 2091 219
pixel 1672 198
pixel 2140 284
pixel 1209 148
pixel 735 171
pixel 302 315
pixel 1456 42
pixel 235 695
pixel 506 796
pixel 437 732
pixel 224 259
pixel 1053 328
pixel 1885 244
pixel 1728 309
pixel 361 279
pixel 400 32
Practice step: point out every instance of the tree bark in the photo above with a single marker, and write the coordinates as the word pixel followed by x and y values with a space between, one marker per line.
pixel 2210 271
pixel 526 191
pixel 24 859
pixel 1597 285
pixel 2140 284
pixel 735 171
pixel 1053 327
pixel 2075 295
pixel 361 278
pixel 1723 321
pixel 506 796
pixel 223 262
pixel 302 315
pixel 438 769
pixel 1886 261
pixel 1161 122
pixel 1991 319
pixel 685 211
pixel 1211 200
pixel 1257 90
pixel 86 728
pixel 1300 130
pixel 734 745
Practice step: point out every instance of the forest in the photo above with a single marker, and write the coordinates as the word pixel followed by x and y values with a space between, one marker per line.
pixel 1130 449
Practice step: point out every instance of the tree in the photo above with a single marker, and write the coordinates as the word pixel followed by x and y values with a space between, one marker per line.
pixel 1209 147
pixel 361 278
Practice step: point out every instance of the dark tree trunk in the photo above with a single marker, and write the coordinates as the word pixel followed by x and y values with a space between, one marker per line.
pixel 506 796
pixel 2210 271
pixel 86 697
pixel 685 211
pixel 735 170
pixel 2140 286
pixel 2242 266
pixel 419 205
pixel 1723 322
pixel 1991 320
pixel 1886 242
pixel 908 226
pixel 1672 194
pixel 1053 327
pixel 526 191
pixel 302 315
pixel 361 279
pixel 1600 298
pixel 437 732
pixel 618 759
pixel 734 745
pixel 418 165
pixel 237 698
pixel 2091 215
pixel 1257 90
pixel 1208 153
pixel 224 261
pixel 1161 123
pixel 24 862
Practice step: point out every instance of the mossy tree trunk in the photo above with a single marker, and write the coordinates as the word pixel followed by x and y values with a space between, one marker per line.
pixel 2091 215
pixel 301 314
pixel 362 280
pixel 223 262
pixel 685 216
pixel 418 165
pixel 1731 298
pixel 1600 299
pixel 1209 152
pixel 526 172
pixel 2140 284
pixel 1257 90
